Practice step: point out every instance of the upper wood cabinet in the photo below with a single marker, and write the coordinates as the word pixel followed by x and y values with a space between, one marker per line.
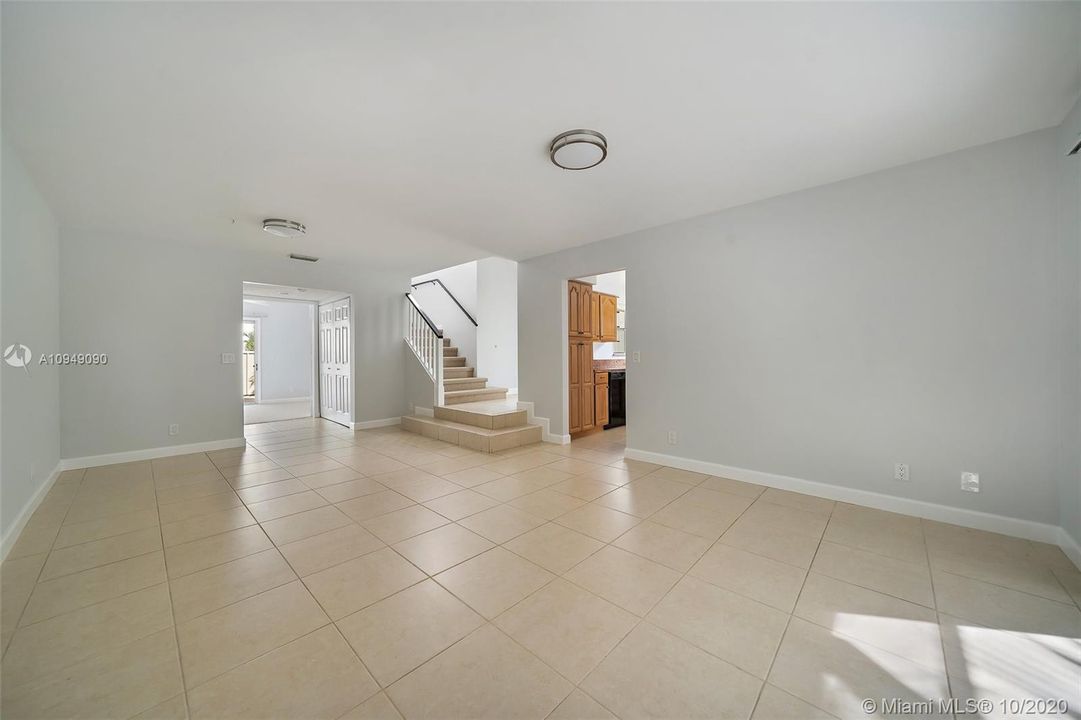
pixel 579 309
pixel 590 313
pixel 595 315
pixel 607 314
pixel 574 301
pixel 585 316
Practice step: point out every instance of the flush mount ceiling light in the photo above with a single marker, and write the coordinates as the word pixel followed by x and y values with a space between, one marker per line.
pixel 578 149
pixel 284 228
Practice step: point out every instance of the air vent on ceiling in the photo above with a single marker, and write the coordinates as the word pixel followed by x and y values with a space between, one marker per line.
pixel 305 258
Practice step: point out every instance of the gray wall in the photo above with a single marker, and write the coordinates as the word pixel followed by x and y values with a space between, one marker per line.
pixel 419 386
pixel 285 352
pixel 912 315
pixel 29 315
pixel 165 312
pixel 1070 216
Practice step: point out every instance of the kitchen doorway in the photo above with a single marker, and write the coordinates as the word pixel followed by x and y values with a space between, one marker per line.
pixel 596 357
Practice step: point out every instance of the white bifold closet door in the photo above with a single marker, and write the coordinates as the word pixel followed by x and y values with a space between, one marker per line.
pixel 335 346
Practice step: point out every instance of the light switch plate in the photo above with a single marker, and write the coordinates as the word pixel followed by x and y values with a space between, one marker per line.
pixel 636 356
pixel 228 358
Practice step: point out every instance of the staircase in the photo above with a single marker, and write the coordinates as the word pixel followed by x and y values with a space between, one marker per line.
pixel 460 382
pixel 466 411
pixel 486 424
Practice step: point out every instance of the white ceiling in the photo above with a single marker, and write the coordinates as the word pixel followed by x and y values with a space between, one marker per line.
pixel 285 292
pixel 414 135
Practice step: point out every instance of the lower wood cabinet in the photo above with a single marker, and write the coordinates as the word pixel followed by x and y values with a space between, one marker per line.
pixel 580 378
pixel 600 399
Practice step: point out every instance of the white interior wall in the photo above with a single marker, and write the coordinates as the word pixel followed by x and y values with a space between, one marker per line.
pixel 285 354
pixel 165 348
pixel 29 315
pixel 461 280
pixel 497 318
pixel 912 315
pixel 1070 218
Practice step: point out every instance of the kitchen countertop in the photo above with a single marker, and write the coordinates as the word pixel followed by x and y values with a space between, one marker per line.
pixel 610 364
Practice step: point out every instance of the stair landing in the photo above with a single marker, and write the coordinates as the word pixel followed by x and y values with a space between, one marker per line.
pixel 483 426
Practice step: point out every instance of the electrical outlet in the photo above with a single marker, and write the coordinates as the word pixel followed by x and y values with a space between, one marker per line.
pixel 673 438
pixel 636 356
pixel 228 358
pixel 970 482
pixel 900 472
pixel 174 429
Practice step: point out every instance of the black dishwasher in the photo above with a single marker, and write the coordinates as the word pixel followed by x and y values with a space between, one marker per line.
pixel 617 398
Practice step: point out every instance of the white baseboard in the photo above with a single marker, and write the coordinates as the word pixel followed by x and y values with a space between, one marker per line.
pixel 1070 547
pixel 546 435
pixel 373 424
pixel 285 400
pixel 1016 527
pixel 11 533
pixel 149 454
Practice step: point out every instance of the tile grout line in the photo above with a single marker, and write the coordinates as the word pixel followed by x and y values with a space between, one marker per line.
pixel 938 615
pixel 792 614
pixel 169 590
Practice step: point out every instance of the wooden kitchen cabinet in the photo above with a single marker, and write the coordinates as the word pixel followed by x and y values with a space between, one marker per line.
pixel 574 313
pixel 585 318
pixel 600 399
pixel 591 318
pixel 580 309
pixel 581 411
pixel 595 316
pixel 606 313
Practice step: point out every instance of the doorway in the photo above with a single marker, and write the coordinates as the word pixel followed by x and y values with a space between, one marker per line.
pixel 596 357
pixel 277 352
pixel 249 352
pixel 297 344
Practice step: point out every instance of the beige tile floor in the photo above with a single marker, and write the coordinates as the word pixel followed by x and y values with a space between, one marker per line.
pixel 319 573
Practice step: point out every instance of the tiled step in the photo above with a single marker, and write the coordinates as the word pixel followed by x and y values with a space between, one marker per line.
pixel 466 383
pixel 450 362
pixel 458 372
pixel 450 351
pixel 490 419
pixel 451 397
pixel 472 437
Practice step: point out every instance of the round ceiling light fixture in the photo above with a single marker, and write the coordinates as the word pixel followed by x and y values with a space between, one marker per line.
pixel 578 149
pixel 284 228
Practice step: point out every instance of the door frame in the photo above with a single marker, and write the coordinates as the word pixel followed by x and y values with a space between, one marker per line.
pixel 258 358
pixel 566 355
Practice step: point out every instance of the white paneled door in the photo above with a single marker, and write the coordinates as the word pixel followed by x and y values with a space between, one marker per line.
pixel 335 346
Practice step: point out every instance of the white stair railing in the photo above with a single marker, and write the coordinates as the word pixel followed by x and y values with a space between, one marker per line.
pixel 425 339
